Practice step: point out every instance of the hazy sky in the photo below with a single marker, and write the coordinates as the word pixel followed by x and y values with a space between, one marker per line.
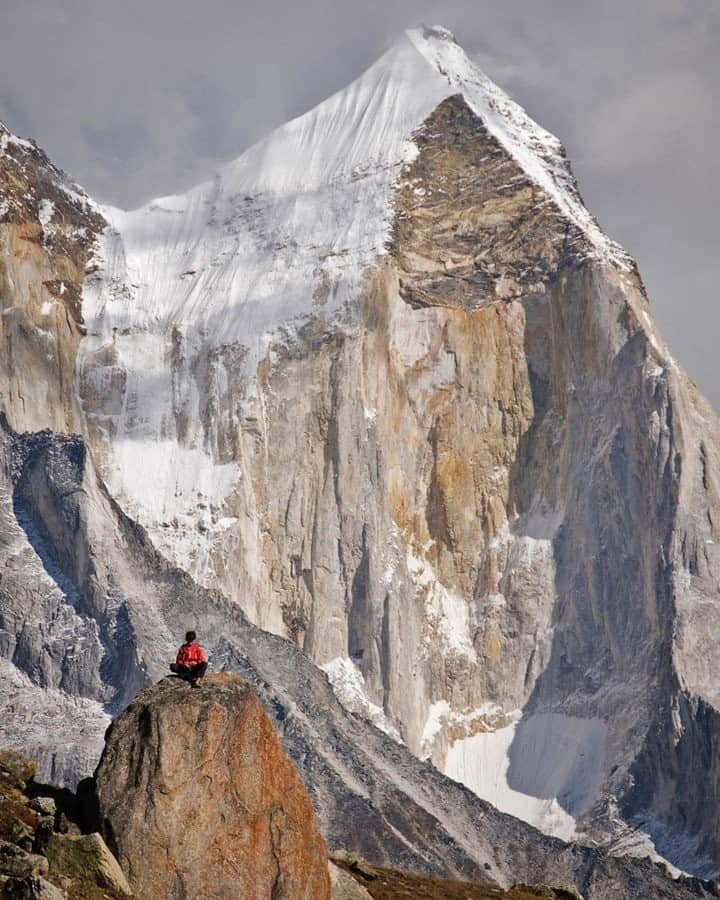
pixel 145 97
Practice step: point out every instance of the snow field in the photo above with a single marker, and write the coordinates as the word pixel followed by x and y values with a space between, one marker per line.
pixel 544 769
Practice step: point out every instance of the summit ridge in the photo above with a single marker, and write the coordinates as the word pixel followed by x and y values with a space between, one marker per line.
pixel 283 234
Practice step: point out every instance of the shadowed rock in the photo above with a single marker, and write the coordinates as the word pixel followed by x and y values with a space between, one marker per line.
pixel 87 857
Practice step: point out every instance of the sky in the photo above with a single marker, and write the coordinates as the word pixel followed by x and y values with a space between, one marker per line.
pixel 148 97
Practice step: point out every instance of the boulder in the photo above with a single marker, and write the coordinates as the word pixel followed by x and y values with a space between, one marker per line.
pixel 197 798
pixel 344 886
pixel 32 888
pixel 18 863
pixel 16 768
pixel 87 857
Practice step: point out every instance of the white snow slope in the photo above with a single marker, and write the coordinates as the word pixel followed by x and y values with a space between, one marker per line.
pixel 546 769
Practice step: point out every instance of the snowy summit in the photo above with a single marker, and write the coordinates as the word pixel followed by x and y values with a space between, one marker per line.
pixel 242 253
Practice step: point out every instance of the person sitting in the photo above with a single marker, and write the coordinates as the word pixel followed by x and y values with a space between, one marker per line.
pixel 190 663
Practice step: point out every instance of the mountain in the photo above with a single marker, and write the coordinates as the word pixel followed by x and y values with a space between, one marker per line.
pixel 191 294
pixel 385 386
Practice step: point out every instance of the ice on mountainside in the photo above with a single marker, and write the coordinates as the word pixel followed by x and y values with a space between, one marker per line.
pixel 241 253
pixel 349 687
pixel 546 770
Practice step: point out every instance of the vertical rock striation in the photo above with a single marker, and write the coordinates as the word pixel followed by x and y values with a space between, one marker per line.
pixel 371 796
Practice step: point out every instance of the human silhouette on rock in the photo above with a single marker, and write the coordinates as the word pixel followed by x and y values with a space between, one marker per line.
pixel 190 662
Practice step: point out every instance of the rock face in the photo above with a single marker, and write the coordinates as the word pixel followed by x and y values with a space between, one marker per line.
pixel 384 385
pixel 199 799
pixel 48 228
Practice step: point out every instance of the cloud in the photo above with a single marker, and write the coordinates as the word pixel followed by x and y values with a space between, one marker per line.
pixel 648 120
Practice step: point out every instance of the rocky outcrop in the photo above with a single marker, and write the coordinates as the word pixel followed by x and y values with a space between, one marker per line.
pixel 43 856
pixel 356 880
pixel 54 509
pixel 371 795
pixel 198 798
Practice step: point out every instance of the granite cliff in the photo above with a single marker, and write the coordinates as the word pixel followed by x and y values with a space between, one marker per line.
pixel 66 537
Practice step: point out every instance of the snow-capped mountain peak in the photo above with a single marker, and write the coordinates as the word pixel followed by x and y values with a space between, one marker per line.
pixel 316 196
pixel 381 384
pixel 281 235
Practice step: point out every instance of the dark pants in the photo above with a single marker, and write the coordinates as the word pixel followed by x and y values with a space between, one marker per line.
pixel 189 673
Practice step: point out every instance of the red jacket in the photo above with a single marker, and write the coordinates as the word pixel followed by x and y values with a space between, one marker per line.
pixel 190 655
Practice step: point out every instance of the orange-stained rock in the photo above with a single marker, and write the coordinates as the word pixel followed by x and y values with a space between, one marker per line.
pixel 198 799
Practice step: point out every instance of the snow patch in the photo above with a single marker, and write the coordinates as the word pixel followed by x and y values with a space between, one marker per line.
pixel 226 522
pixel 44 333
pixel 7 138
pixel 447 614
pixel 175 492
pixel 546 769
pixel 348 684
pixel 46 210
